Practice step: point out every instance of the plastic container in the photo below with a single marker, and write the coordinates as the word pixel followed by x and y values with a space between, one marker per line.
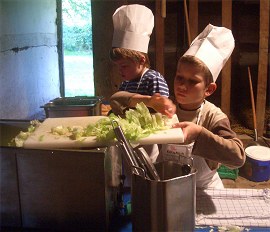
pixel 227 173
pixel 257 165
pixel 165 205
pixel 73 107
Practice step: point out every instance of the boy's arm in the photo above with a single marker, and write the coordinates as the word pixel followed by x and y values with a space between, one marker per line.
pixel 220 146
pixel 119 102
pixel 122 100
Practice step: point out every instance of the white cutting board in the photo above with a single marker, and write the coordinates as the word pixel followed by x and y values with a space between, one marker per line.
pixel 50 141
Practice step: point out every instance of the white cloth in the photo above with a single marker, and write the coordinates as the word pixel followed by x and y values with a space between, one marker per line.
pixel 205 177
pixel 233 208
pixel 133 25
pixel 213 46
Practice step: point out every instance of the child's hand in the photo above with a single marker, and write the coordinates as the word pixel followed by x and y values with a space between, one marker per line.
pixel 162 105
pixel 190 130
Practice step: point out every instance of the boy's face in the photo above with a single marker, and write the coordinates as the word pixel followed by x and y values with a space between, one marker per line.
pixel 129 69
pixel 189 87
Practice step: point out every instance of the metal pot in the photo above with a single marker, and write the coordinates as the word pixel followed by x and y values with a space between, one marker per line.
pixel 73 107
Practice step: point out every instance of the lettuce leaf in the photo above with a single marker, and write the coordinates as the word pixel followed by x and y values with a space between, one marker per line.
pixel 138 123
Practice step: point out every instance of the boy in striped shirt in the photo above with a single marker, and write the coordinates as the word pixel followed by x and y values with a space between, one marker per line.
pixel 129 51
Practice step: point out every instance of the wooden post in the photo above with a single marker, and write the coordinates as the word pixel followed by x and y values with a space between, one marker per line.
pixel 263 65
pixel 226 71
pixel 160 12
pixel 106 77
pixel 187 22
pixel 193 19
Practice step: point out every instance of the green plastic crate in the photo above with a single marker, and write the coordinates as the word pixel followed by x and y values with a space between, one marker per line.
pixel 227 173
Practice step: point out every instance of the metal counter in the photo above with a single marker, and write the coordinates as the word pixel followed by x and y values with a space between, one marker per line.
pixel 57 189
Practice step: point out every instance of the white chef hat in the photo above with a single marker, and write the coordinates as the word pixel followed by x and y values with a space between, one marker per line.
pixel 133 25
pixel 213 46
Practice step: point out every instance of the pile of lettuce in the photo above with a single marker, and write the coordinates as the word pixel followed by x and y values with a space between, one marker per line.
pixel 136 124
pixel 18 141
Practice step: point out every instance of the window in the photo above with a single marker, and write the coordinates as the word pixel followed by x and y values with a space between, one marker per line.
pixel 77 56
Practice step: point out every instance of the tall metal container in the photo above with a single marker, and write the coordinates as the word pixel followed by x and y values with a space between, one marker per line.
pixel 165 205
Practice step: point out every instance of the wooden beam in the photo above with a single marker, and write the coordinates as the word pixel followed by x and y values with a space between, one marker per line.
pixel 60 48
pixel 187 22
pixel 263 65
pixel 193 19
pixel 160 12
pixel 226 71
pixel 106 77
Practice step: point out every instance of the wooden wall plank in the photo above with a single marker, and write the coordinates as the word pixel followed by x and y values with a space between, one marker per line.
pixel 187 22
pixel 226 71
pixel 159 35
pixel 263 65
pixel 193 19
pixel 106 76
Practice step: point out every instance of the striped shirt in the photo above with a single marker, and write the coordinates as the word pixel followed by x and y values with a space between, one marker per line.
pixel 150 83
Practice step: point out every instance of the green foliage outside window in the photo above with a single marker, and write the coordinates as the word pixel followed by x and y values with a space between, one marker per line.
pixel 77 25
pixel 77 38
pixel 77 45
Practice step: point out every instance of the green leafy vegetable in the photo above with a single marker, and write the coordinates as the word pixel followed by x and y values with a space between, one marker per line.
pixel 41 138
pixel 18 141
pixel 137 123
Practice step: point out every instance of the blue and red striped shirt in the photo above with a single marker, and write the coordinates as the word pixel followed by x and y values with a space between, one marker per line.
pixel 150 83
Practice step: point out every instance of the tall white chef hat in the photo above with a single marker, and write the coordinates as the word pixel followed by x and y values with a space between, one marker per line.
pixel 213 46
pixel 133 25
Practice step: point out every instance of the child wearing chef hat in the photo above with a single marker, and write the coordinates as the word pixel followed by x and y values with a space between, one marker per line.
pixel 205 127
pixel 133 25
